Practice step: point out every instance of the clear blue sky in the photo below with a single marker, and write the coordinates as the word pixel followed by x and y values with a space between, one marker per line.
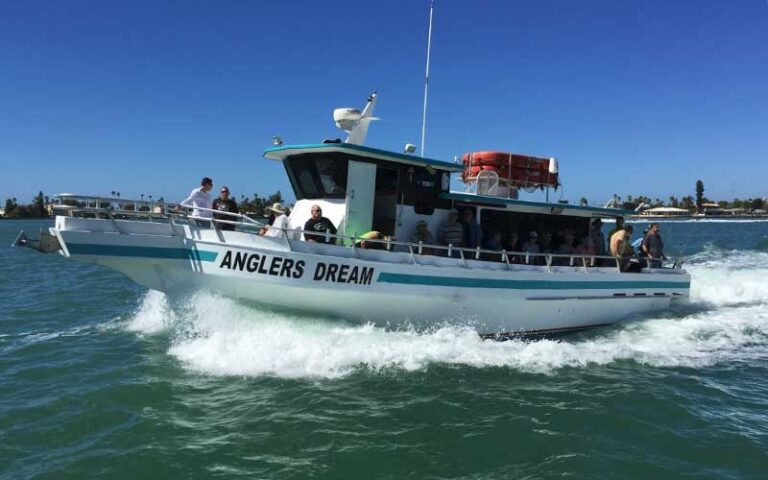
pixel 639 97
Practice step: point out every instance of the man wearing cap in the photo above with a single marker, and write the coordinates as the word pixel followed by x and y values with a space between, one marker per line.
pixel 318 223
pixel 280 225
pixel 225 204
pixel 451 232
pixel 200 198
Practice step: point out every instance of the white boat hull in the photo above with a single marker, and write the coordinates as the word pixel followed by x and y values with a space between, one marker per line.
pixel 386 288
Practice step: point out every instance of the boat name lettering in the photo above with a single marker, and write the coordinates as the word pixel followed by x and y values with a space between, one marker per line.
pixel 332 272
pixel 255 263
pixel 286 267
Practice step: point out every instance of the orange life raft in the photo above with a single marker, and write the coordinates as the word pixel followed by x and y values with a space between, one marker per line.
pixel 512 168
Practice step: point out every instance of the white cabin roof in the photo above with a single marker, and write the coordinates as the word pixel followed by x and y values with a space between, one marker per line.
pixel 283 152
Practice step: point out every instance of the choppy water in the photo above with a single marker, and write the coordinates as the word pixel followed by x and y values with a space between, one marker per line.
pixel 101 378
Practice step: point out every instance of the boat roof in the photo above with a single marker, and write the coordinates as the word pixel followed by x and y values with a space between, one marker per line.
pixel 283 152
pixel 537 207
pixel 665 210
pixel 75 196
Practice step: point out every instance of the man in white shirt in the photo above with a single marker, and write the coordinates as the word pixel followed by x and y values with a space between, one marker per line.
pixel 280 225
pixel 200 198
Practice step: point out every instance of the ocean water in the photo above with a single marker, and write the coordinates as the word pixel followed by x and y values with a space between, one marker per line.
pixel 100 378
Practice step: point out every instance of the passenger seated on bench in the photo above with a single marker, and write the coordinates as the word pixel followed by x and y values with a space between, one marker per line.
pixel 531 246
pixel 545 242
pixel 513 245
pixel 587 249
pixel 545 246
pixel 365 242
pixel 423 235
pixel 566 248
pixel 451 232
pixel 318 223
pixel 558 239
pixel 494 243
pixel 280 226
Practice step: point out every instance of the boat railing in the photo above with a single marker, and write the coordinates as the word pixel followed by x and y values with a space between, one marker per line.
pixel 236 218
pixel 155 210
pixel 584 261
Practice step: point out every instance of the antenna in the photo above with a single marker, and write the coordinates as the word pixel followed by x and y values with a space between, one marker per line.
pixel 355 122
pixel 426 80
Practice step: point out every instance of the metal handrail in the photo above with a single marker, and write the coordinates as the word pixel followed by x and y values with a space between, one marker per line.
pixel 244 218
pixel 582 261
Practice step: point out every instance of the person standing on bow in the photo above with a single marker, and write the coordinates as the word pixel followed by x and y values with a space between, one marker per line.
pixel 200 198
pixel 225 204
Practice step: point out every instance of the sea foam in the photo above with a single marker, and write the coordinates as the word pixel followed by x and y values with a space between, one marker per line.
pixel 727 321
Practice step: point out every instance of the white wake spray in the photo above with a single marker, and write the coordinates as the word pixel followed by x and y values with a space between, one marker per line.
pixel 217 336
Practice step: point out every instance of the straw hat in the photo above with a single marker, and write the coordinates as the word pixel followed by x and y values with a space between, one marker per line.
pixel 277 208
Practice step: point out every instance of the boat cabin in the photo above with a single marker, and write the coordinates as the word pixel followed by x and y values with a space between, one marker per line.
pixel 361 189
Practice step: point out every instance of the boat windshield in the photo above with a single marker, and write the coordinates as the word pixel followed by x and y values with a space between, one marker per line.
pixel 318 176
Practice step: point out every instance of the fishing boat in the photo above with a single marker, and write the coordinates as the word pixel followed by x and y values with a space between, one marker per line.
pixel 385 278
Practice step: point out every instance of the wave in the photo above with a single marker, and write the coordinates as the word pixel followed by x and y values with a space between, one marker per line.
pixel 723 278
pixel 694 220
pixel 212 335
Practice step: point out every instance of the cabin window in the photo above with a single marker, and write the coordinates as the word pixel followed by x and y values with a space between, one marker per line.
pixel 422 188
pixel 318 176
pixel 506 222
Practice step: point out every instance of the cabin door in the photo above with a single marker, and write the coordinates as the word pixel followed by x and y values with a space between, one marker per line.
pixel 385 205
pixel 361 187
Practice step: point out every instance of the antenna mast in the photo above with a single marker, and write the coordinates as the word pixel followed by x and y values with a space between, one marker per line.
pixel 426 80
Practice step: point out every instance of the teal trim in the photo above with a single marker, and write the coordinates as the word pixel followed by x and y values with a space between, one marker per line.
pixel 280 153
pixel 147 252
pixel 433 281
pixel 471 198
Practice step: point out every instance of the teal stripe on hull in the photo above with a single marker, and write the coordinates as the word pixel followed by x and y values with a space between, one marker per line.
pixel 434 281
pixel 146 252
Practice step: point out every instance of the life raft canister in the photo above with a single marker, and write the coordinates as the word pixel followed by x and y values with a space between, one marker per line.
pixel 512 168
